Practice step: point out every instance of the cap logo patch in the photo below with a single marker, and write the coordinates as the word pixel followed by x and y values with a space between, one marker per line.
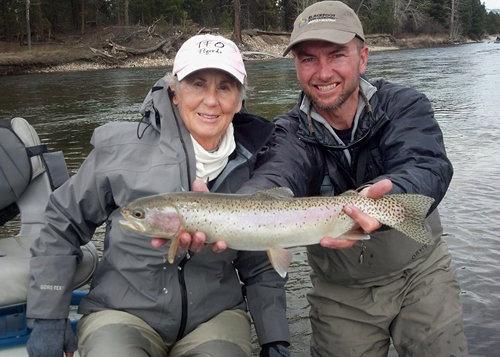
pixel 208 47
pixel 317 18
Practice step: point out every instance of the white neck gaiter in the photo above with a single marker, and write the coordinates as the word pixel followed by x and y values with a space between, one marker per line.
pixel 210 164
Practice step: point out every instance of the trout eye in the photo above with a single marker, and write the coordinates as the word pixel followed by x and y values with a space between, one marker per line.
pixel 138 213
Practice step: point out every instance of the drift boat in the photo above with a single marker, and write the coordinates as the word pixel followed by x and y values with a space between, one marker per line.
pixel 28 175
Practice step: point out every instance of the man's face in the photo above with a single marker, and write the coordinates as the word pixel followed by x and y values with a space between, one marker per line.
pixel 329 73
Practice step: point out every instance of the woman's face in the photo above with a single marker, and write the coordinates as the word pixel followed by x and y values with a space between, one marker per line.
pixel 207 101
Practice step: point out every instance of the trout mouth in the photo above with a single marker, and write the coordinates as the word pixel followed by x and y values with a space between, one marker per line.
pixel 132 226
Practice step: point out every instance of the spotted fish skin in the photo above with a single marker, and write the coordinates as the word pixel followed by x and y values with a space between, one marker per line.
pixel 271 219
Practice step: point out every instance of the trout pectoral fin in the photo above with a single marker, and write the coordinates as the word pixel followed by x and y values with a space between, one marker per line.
pixel 173 250
pixel 280 260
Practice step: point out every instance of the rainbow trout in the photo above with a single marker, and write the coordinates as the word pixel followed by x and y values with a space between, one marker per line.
pixel 270 220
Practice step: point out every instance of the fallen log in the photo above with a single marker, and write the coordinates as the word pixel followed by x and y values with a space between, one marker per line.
pixel 207 30
pixel 137 51
pixel 273 33
pixel 255 32
pixel 100 52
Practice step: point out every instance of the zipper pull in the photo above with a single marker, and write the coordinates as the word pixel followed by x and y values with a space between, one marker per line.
pixel 361 258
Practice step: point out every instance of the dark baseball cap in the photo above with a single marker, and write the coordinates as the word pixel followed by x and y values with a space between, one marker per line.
pixel 331 21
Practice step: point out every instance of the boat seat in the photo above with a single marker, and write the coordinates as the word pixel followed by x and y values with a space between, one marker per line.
pixel 48 172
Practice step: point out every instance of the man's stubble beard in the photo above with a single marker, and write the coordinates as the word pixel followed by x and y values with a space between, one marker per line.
pixel 343 97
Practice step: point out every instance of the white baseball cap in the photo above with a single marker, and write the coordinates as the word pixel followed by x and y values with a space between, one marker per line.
pixel 209 51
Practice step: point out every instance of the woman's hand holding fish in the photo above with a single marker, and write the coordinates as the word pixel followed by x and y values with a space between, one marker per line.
pixel 186 242
pixel 366 223
pixel 196 242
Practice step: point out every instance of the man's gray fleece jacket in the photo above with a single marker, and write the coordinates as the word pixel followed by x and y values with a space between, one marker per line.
pixel 130 161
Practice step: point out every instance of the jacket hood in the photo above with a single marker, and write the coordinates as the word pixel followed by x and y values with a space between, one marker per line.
pixel 152 101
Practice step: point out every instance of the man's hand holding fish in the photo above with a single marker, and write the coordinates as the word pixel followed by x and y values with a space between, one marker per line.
pixel 366 223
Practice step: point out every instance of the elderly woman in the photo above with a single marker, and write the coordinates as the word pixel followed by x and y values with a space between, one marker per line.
pixel 138 303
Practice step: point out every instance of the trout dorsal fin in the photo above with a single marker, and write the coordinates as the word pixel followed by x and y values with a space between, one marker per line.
pixel 274 193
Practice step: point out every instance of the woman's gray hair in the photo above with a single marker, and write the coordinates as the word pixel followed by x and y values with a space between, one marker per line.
pixel 175 83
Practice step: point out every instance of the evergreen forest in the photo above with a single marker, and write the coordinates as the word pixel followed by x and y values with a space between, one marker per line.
pixel 42 19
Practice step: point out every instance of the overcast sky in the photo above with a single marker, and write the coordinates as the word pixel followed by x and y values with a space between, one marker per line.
pixel 491 4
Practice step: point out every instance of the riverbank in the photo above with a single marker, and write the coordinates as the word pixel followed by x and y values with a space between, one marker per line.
pixel 127 47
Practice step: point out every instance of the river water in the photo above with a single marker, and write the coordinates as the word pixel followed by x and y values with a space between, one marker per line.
pixel 462 83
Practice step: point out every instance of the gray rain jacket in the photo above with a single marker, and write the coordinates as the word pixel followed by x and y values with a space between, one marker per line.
pixel 398 139
pixel 130 161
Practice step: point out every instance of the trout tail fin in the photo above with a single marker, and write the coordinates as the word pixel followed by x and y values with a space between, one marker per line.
pixel 410 211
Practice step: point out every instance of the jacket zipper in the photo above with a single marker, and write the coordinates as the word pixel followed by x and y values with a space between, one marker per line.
pixel 181 138
pixel 184 298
